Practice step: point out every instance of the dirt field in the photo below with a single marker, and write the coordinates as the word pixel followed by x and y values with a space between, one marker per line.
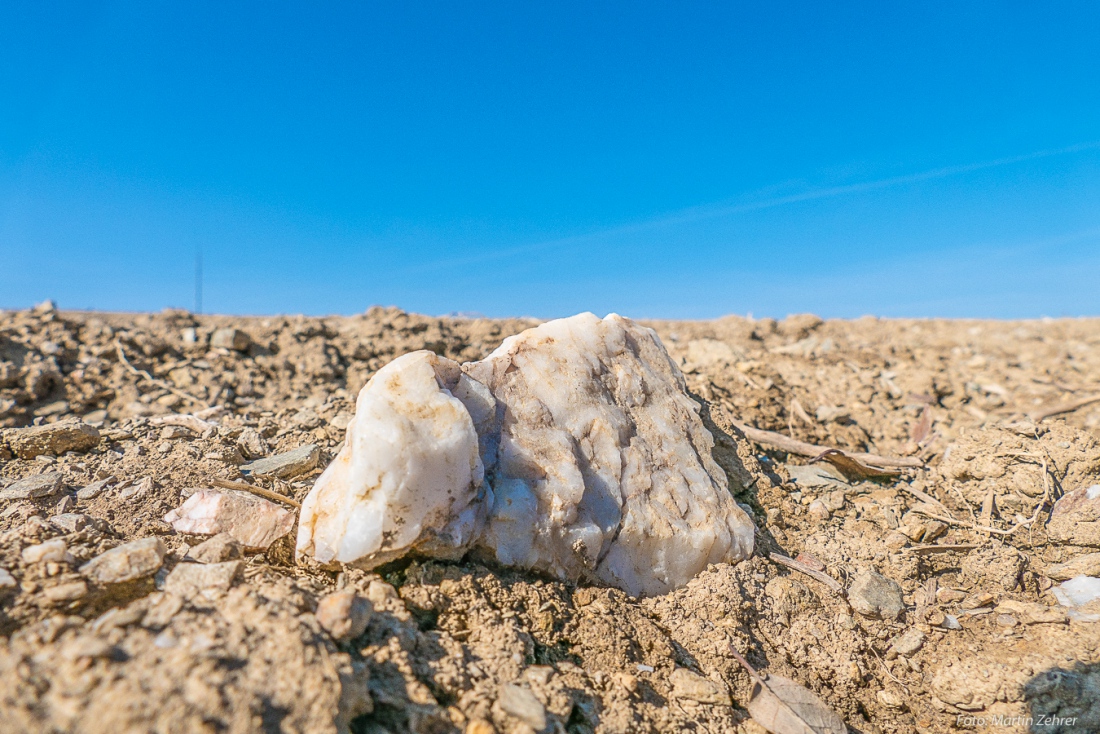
pixel 979 643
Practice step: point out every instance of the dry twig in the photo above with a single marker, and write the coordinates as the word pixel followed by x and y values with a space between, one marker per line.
pixel 971 525
pixel 886 668
pixel 824 578
pixel 792 446
pixel 924 550
pixel 973 517
pixel 924 497
pixel 159 383
pixel 1053 410
pixel 997 531
pixel 258 491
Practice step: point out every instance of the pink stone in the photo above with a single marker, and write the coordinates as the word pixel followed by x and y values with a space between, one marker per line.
pixel 252 521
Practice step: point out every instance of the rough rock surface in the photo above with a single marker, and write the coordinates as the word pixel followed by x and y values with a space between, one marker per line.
pixel 1076 517
pixel 134 560
pixel 52 439
pixel 37 486
pixel 876 596
pixel 603 468
pixel 286 465
pixel 578 440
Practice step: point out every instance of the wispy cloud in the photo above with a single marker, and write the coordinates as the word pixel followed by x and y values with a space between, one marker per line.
pixel 746 203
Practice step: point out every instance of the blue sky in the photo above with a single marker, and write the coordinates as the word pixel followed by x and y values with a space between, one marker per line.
pixel 660 160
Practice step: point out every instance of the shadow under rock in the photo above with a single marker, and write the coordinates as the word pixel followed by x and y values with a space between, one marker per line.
pixel 1064 701
pixel 742 482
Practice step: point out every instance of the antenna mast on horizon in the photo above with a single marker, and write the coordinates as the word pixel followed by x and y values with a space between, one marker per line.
pixel 198 280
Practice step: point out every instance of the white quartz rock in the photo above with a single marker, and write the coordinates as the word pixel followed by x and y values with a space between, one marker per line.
pixel 573 450
pixel 603 468
pixel 409 475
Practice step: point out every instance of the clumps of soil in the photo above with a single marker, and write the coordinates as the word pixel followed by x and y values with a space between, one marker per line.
pixel 459 646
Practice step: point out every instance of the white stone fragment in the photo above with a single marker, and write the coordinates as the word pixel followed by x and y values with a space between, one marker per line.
pixel 1078 591
pixel 409 474
pixel 573 450
pixel 252 521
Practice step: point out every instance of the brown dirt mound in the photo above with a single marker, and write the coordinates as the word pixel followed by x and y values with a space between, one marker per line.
pixel 459 646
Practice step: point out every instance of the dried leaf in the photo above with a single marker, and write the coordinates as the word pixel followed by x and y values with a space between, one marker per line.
pixel 923 426
pixel 851 468
pixel 784 707
pixel 810 560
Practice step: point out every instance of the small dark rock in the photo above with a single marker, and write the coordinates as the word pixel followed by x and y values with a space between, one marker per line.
pixel 875 596
pixel 35 487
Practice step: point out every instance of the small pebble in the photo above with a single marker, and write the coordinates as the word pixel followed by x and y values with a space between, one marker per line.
pixel 909 642
pixel 94 489
pixel 818 511
pixel 38 486
pixel 522 704
pixel 891 698
pixel 286 465
pixel 218 549
pixel 188 580
pixel 896 540
pixel 875 596
pixel 129 561
pixel 137 489
pixel 70 522
pixel 232 339
pixel 70 591
pixel 344 614
pixel 951 622
pixel 52 550
pixel 694 687
pixel 976 601
pixel 949 596
pixel 174 432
